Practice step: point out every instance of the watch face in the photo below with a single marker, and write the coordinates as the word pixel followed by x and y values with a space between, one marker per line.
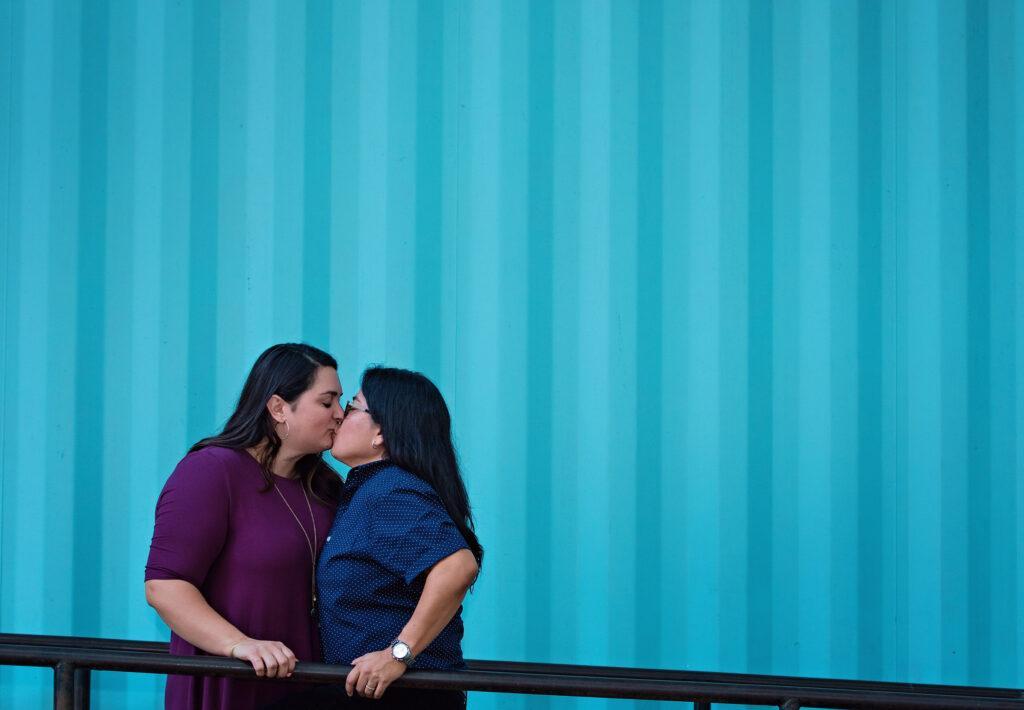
pixel 400 651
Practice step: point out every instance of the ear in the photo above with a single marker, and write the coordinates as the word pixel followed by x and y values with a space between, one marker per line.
pixel 276 406
pixel 378 440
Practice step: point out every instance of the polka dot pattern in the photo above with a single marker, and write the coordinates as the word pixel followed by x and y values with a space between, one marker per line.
pixel 390 528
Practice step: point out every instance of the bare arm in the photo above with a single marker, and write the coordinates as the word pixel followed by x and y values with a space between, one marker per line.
pixel 443 591
pixel 187 612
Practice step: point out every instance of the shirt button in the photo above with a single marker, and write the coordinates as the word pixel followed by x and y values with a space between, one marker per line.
pixel 328 538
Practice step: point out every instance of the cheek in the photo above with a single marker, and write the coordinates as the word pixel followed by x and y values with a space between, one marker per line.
pixel 315 422
pixel 348 434
pixel 319 416
pixel 342 440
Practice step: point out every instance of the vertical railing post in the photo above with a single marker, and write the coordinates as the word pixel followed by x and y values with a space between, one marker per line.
pixel 701 705
pixel 64 686
pixel 791 704
pixel 83 680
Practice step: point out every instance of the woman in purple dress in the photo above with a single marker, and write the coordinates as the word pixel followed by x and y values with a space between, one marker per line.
pixel 239 526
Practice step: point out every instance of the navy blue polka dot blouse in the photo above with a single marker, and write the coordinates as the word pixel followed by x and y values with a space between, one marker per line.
pixel 390 528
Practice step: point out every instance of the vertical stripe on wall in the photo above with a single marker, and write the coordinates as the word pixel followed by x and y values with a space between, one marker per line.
pixel 676 583
pixel 923 347
pixel 954 304
pixel 539 196
pixel 203 211
pixel 430 148
pixel 144 386
pixel 725 300
pixel 868 348
pixel 785 264
pixel 7 158
pixel 622 266
pixel 760 338
pixel 736 275
pixel 116 572
pixel 399 220
pixel 48 290
pixel 814 438
pixel 90 322
pixel 844 580
pixel 1004 307
pixel 978 234
pixel 345 194
pixel 316 185
pixel 649 461
pixel 232 190
pixel 510 160
pixel 566 474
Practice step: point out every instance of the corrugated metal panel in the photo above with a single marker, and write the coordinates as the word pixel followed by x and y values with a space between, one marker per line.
pixel 726 299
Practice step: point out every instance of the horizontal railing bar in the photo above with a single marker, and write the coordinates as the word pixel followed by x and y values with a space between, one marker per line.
pixel 743 678
pixel 99 644
pixel 529 683
pixel 588 671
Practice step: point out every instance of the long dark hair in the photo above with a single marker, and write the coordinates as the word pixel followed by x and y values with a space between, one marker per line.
pixel 417 430
pixel 286 370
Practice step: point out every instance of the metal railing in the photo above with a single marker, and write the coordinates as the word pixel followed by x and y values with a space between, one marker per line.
pixel 72 659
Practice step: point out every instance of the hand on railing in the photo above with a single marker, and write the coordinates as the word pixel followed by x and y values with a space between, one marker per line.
pixel 268 658
pixel 372 673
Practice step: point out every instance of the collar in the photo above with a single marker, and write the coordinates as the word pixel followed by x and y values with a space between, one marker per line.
pixel 360 474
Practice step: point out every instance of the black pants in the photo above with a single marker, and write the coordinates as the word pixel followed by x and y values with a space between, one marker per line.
pixel 328 697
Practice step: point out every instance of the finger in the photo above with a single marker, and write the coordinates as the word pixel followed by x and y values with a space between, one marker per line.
pixel 351 680
pixel 380 690
pixel 292 660
pixel 284 663
pixel 258 665
pixel 269 661
pixel 276 660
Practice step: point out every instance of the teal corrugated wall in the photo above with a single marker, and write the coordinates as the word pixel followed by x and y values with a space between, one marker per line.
pixel 727 300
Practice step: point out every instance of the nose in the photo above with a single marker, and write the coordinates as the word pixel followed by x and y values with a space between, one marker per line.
pixel 339 412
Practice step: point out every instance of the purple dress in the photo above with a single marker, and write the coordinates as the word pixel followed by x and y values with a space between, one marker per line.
pixel 244 551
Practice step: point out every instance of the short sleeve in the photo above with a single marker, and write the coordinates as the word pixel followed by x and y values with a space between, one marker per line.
pixel 412 532
pixel 191 520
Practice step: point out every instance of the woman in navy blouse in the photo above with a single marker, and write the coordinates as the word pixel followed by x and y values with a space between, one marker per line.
pixel 402 552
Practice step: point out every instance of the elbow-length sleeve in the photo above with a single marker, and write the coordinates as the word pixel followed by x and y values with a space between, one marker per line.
pixel 192 517
pixel 412 532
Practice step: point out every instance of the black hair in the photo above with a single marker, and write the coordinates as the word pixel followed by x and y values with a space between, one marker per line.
pixel 417 431
pixel 287 370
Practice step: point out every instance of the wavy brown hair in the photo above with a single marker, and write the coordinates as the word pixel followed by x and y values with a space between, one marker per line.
pixel 287 370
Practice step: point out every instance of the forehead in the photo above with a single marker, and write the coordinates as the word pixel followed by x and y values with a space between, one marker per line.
pixel 325 381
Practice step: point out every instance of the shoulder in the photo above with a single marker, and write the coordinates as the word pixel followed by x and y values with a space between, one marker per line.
pixel 213 466
pixel 401 492
pixel 395 479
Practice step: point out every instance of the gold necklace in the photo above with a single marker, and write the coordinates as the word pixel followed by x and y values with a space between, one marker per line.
pixel 310 543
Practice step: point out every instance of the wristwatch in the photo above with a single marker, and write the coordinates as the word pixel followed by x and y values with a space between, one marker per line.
pixel 401 652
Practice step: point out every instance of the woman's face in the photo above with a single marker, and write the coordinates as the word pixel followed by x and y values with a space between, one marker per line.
pixel 359 439
pixel 313 418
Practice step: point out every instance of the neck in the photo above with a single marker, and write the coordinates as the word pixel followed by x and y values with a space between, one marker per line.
pixel 284 462
pixel 362 462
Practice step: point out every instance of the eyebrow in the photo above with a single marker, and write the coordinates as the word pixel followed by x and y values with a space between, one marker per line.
pixel 331 392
